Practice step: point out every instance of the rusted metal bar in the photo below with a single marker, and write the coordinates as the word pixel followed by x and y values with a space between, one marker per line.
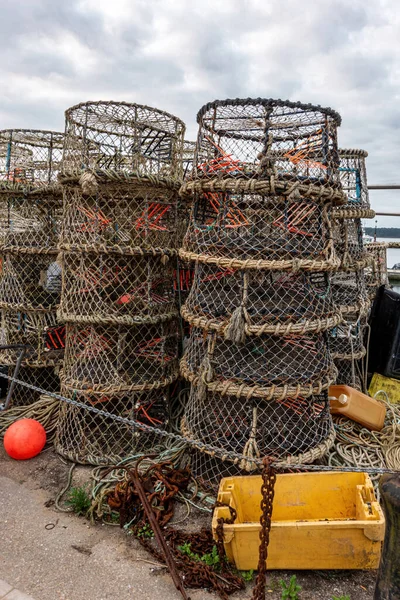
pixel 157 532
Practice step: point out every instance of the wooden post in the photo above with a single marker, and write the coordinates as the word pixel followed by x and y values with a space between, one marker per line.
pixel 388 582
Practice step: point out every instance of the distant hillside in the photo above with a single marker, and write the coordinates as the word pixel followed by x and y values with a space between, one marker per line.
pixel 383 232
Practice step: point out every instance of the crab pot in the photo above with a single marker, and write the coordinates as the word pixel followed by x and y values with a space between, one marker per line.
pixel 348 243
pixel 264 366
pixel 90 438
pixel 255 427
pixel 257 227
pixel 349 292
pixel 120 358
pixel 30 161
pixel 113 288
pixel 376 273
pixel 30 281
pixel 40 331
pixel 274 301
pixel 125 138
pixel 253 138
pixel 45 378
pixel 353 177
pixel 347 338
pixel 120 218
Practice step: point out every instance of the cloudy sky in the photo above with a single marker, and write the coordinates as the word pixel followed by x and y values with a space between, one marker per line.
pixel 179 54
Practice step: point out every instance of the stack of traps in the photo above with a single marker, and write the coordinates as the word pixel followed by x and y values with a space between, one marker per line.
pixel 30 279
pixel 351 284
pixel 264 181
pixel 122 169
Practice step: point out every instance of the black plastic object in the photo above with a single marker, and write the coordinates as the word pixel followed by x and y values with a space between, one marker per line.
pixel 384 346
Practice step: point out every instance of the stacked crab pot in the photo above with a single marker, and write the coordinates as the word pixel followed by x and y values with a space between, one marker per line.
pixel 30 279
pixel 122 170
pixel 350 282
pixel 265 178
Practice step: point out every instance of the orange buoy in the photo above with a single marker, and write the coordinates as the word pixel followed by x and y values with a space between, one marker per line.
pixel 24 439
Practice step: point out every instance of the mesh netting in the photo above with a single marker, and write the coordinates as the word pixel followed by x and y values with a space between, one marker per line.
pixel 264 366
pixel 30 281
pixel 121 218
pixel 46 378
pixel 122 168
pixel 353 177
pixel 97 439
pixel 124 138
pixel 376 272
pixel 259 138
pixel 347 338
pixel 256 428
pixel 351 372
pixel 109 359
pixel 274 301
pixel 113 288
pixel 40 331
pixel 29 224
pixel 228 228
pixel 30 161
pixel 349 292
pixel 348 242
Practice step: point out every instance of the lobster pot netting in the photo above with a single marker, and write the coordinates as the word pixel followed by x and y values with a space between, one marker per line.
pixel 30 161
pixel 255 428
pixel 265 366
pixel 347 338
pixel 353 177
pixel 128 139
pixel 30 281
pixel 273 301
pixel 376 272
pixel 39 331
pixel 350 372
pixel 254 139
pixel 45 378
pixel 111 288
pixel 109 359
pixel 90 438
pixel 350 293
pixel 281 232
pixel 121 218
pixel 29 224
pixel 348 243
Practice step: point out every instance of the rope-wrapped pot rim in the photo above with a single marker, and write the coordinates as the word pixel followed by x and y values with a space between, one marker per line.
pixel 304 458
pixel 101 319
pixel 268 186
pixel 92 388
pixel 269 103
pixel 245 391
pixel 294 265
pixel 316 325
pixel 352 213
pixel 70 114
pixel 113 178
pixel 141 251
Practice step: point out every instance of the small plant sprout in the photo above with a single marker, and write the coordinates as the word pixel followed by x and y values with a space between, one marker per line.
pixel 79 500
pixel 290 591
pixel 343 597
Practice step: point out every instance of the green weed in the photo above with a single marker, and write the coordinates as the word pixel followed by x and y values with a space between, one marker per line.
pixel 344 597
pixel 79 500
pixel 145 532
pixel 210 558
pixel 291 590
pixel 247 575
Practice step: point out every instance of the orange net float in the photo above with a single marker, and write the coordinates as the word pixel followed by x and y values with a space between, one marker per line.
pixel 24 439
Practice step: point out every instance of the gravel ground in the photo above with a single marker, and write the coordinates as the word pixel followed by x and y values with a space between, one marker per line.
pixel 77 561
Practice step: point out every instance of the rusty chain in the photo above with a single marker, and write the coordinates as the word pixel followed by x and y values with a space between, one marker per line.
pixel 267 499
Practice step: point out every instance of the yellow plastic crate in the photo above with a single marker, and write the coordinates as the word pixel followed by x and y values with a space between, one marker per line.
pixel 319 521
pixel 389 385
